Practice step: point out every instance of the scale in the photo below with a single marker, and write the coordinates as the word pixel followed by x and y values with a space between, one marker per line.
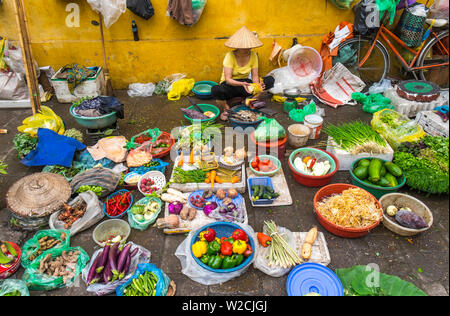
pixel 291 96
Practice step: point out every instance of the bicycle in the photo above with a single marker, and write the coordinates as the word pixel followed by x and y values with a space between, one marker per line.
pixel 368 58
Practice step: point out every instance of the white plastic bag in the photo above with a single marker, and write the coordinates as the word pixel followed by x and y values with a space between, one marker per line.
pixel 172 79
pixel 110 9
pixel 92 216
pixel 380 87
pixel 195 272
pixel 12 86
pixel 143 256
pixel 439 10
pixel 14 60
pixel 141 89
pixel 285 80
pixel 261 262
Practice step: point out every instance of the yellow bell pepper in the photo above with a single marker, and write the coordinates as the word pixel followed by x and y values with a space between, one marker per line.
pixel 199 248
pixel 239 247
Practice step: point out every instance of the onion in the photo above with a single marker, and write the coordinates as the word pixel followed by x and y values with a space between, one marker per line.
pixel 175 207
pixel 231 207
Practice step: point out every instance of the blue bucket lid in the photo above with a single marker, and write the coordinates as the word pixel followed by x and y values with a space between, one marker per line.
pixel 313 278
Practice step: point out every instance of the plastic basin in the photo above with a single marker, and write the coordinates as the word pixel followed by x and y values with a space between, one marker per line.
pixel 337 230
pixel 94 122
pixel 111 227
pixel 111 197
pixel 278 146
pixel 205 108
pixel 313 181
pixel 223 229
pixel 375 190
pixel 244 125
pixel 275 161
pixel 7 270
pixel 305 64
pixel 202 89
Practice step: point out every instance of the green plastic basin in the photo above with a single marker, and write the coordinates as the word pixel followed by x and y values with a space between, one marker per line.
pixel 205 108
pixel 94 122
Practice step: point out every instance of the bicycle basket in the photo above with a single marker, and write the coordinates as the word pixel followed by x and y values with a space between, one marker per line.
pixel 411 26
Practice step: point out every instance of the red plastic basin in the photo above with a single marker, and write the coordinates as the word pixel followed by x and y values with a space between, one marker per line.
pixel 270 146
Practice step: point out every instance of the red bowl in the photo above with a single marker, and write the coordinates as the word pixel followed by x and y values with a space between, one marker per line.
pixel 312 181
pixel 7 270
pixel 340 231
pixel 168 149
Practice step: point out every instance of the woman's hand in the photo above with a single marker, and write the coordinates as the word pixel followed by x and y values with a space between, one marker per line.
pixel 247 86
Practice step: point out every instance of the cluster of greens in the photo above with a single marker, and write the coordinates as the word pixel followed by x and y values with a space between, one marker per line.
pixel 3 167
pixel 24 144
pixel 425 164
pixel 191 176
pixel 64 171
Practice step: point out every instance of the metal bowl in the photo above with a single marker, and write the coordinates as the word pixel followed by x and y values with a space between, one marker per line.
pixel 292 93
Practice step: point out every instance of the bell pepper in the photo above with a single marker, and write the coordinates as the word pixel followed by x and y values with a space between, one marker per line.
pixel 239 259
pixel 213 248
pixel 239 247
pixel 215 262
pixel 205 259
pixel 199 248
pixel 228 263
pixel 226 248
pixel 264 240
pixel 210 235
pixel 248 252
pixel 239 234
pixel 229 239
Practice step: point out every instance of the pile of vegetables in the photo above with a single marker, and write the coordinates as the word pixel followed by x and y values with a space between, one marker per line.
pixel 192 135
pixel 263 165
pixel 147 186
pixel 112 264
pixel 224 253
pixel 3 167
pixel 377 173
pixel 24 144
pixel 356 137
pixel 406 217
pixel 262 192
pixel 191 176
pixel 71 214
pixel 425 164
pixel 13 293
pixel 118 204
pixel 64 171
pixel 145 213
pixel 46 243
pixel 75 134
pixel 310 166
pixel 144 285
pixel 280 252
pixel 62 266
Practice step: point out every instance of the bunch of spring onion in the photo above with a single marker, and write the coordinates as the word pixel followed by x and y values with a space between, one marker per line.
pixel 280 252
pixel 356 137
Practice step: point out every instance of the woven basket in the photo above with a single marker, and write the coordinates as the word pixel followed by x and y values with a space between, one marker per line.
pixel 411 28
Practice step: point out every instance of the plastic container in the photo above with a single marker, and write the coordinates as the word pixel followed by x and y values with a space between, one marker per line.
pixel 131 175
pixel 313 278
pixel 111 197
pixel 111 227
pixel 94 122
pixel 142 170
pixel 375 190
pixel 200 193
pixel 402 200
pixel 432 123
pixel 265 181
pixel 313 181
pixel 223 229
pixel 158 177
pixel 305 63
pixel 7 270
pixel 298 135
pixel 340 231
pixel 266 174
pixel 244 125
pixel 202 89
pixel 314 122
pixel 205 108
pixel 277 147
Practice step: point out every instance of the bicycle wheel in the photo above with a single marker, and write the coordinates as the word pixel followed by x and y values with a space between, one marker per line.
pixel 434 54
pixel 353 51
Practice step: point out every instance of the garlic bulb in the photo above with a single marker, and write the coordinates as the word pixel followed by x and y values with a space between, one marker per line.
pixel 391 210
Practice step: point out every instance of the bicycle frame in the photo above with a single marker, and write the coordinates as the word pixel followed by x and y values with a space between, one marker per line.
pixel 383 32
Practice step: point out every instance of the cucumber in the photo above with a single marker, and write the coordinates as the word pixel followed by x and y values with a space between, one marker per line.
pixel 383 182
pixel 383 171
pixel 361 172
pixel 392 180
pixel 375 170
pixel 261 191
pixel 364 163
pixel 393 169
pixel 255 189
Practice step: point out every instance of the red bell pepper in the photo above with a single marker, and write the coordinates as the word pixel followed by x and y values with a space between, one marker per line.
pixel 249 251
pixel 210 235
pixel 226 248
pixel 239 234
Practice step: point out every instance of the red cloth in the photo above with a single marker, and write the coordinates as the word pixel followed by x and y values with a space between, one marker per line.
pixel 181 10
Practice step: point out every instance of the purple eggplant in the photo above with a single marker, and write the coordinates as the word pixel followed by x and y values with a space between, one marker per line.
pixel 112 260
pixel 107 274
pixel 125 267
pixel 96 279
pixel 104 259
pixel 92 270
pixel 122 257
pixel 134 252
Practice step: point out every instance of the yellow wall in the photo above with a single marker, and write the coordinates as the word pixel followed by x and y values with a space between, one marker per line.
pixel 165 47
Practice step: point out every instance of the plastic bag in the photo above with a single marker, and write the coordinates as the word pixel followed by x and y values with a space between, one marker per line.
pixel 180 89
pixel 372 103
pixel 163 280
pixel 261 262
pixel 143 256
pixel 439 10
pixel 396 128
pixel 142 8
pixel 86 161
pixel 94 213
pixel 389 6
pixel 367 17
pixel 143 225
pixel 285 80
pixel 31 246
pixel 14 60
pixel 46 118
pixel 141 89
pixel 13 285
pixel 343 4
pixel 380 87
pixel 37 281
pixel 269 130
pixel 299 115
pixel 12 86
pixel 195 272
pixel 110 9
pixel 197 9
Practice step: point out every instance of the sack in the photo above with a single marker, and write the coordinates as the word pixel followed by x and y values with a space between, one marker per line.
pixel 142 8
pixel 110 9
pixel 141 89
pixel 37 281
pixel 180 89
pixel 46 118
pixel 269 130
pixel 13 285
pixel 343 4
pixel 330 88
pixel 12 86
pixel 94 213
pixel 162 286
pixel 143 256
pixel 31 246
pixel 367 17
pixel 143 225
pixel 411 26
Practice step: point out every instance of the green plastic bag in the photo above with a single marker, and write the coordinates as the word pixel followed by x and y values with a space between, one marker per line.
pixel 37 281
pixel 143 225
pixel 298 115
pixel 269 130
pixel 373 102
pixel 388 5
pixel 12 287
pixel 32 245
pixel 343 4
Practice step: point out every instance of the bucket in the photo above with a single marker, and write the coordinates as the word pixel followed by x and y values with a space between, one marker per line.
pixel 298 135
pixel 270 148
pixel 314 122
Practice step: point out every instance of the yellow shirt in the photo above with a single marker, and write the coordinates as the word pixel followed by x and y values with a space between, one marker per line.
pixel 238 71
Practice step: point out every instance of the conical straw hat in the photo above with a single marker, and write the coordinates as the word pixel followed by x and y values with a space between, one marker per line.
pixel 243 39
pixel 38 195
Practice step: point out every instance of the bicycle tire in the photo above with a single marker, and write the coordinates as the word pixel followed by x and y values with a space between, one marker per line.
pixel 424 74
pixel 369 76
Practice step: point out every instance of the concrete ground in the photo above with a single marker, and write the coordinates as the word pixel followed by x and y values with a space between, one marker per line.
pixel 422 260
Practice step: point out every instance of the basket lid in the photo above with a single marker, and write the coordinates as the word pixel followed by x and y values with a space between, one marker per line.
pixel 38 195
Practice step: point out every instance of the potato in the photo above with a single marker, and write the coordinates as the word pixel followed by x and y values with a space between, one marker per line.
pixel 192 214
pixel 184 212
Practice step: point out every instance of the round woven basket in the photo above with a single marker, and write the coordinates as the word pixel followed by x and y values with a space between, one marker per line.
pixel 38 195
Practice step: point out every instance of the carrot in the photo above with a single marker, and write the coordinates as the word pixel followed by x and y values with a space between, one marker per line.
pixel 235 179
pixel 191 158
pixel 181 162
pixel 218 180
pixel 213 177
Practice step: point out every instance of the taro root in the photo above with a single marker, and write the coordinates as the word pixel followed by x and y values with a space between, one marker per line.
pixel 410 220
pixel 221 194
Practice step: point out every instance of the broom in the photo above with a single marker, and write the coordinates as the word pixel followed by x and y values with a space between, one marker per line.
pixel 108 85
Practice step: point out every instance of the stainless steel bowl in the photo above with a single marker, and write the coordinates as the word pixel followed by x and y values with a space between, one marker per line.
pixel 292 93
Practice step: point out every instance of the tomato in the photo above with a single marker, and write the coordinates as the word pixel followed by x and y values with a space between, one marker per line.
pixel 254 164
pixel 257 159
pixel 266 162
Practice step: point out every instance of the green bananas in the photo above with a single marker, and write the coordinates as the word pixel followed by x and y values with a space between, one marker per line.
pixel 7 253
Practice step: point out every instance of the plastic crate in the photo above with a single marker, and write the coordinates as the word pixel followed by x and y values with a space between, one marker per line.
pixel 111 197
pixel 265 181
pixel 432 123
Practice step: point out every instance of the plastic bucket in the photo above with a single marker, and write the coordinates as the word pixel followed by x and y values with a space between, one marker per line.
pixel 270 148
pixel 298 135
pixel 314 122
pixel 305 63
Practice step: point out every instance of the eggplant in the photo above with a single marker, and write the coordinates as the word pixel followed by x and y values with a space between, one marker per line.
pixel 195 115
pixel 96 279
pixel 125 267
pixel 107 274
pixel 92 270
pixel 134 252
pixel 104 259
pixel 122 257
pixel 112 260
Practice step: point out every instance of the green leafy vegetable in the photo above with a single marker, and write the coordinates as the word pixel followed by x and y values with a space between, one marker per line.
pixel 24 144
pixel 3 167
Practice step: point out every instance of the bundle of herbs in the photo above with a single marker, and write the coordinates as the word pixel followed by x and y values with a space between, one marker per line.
pixel 280 252
pixel 425 164
pixel 24 144
pixel 357 137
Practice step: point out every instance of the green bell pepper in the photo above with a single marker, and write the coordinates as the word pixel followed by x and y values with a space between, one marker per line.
pixel 213 248
pixel 205 259
pixel 215 262
pixel 228 262
pixel 238 259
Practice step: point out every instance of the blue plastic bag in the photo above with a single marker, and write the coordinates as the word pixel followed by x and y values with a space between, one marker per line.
pixel 143 170
pixel 163 280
